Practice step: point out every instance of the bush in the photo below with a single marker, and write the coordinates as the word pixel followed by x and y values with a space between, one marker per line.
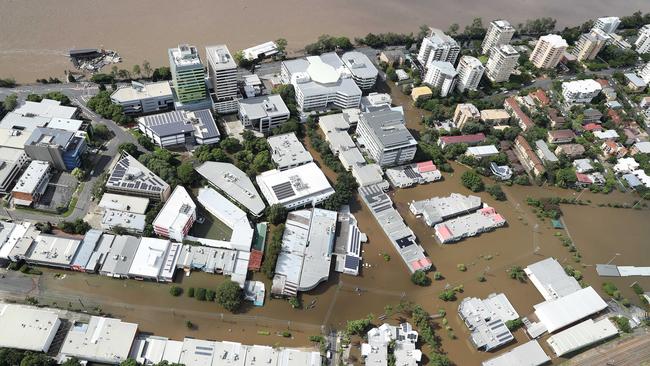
pixel 190 292
pixel 609 288
pixel 514 324
pixel 623 324
pixel 447 295
pixel 420 278
pixel 437 276
pixel 637 289
pixel 517 273
pixel 461 267
pixel 175 291
pixel 77 226
pixel 200 294
pixel 496 192
pixel 295 302
pixel 210 295
pixel 229 295
pixel 472 181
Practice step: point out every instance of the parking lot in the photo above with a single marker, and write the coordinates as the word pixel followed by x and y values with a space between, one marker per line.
pixel 58 193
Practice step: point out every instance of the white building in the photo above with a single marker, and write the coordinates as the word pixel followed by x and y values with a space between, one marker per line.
pixel 486 320
pixel 643 42
pixel 222 74
pixel 580 91
pixel 321 82
pixel 47 108
pixel 480 152
pixel 32 183
pixel 548 51
pixel 142 98
pixel 375 101
pixel 27 328
pixel 180 128
pixel 305 185
pixel 118 202
pixel 155 260
pixel 404 340
pixel 499 32
pixel 581 336
pixel 607 24
pixel 528 354
pixel 131 222
pixel 441 75
pixel 176 217
pixel 261 51
pixel 502 62
pixel 287 151
pixel 263 113
pixel 386 138
pixel 11 162
pixel 551 280
pixel 645 72
pixel 128 176
pixel 103 340
pixel 364 73
pixel 589 44
pixel 557 314
pixel 438 46
pixel 470 70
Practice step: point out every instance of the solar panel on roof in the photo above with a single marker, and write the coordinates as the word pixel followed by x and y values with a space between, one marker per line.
pixel 404 242
pixel 283 190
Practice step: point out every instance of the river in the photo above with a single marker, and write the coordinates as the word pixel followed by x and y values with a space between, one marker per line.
pixel 35 35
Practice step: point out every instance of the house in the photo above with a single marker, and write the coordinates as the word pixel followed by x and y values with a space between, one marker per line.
pixel 572 151
pixel 522 119
pixel 612 148
pixel 583 165
pixel 540 97
pixel 421 93
pixel 640 148
pixel 626 165
pixel 591 115
pixel 634 83
pixel 557 120
pixel 544 152
pixel 606 135
pixel 560 136
pixel 592 127
pixel 474 139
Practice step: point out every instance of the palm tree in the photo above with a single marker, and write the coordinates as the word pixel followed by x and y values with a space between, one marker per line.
pixel 146 68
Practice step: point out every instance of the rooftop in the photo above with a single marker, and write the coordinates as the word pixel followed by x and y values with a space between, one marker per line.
pixel 551 280
pixel 295 184
pixel 177 211
pixel 184 55
pixel 388 127
pixel 201 123
pixel 137 91
pixel 581 335
pixel 126 220
pixel 263 106
pixel 100 340
pixel 231 215
pixel 322 74
pixel 128 173
pixel 544 152
pixel 46 108
pixel 29 181
pixel 463 139
pixel 233 182
pixel 220 58
pixel 13 138
pixel 581 86
pixel 554 39
pixel 486 320
pixel 26 327
pixel 24 123
pixel 119 258
pixel 119 202
pixel 359 64
pixel 529 354
pixel 155 259
pixel 557 314
pixel 438 209
pixel 287 150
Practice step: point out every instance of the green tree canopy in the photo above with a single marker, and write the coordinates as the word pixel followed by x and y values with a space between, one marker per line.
pixel 229 295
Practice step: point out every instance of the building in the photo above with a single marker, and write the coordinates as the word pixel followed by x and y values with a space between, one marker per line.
pixel 643 41
pixel 421 93
pixel 139 98
pixel 548 51
pixel 642 147
pixel 93 249
pixel 645 72
pixel 11 163
pixel 591 115
pixel 499 33
pixel 438 209
pixel 634 83
pixel 376 101
pixel 527 157
pixel 589 44
pixel 403 339
pixel 560 136
pixel 557 120
pixel 263 113
pixel 583 165
pixel 480 152
pixel 529 353
pixel 305 185
pixel 405 176
pixel 483 220
pixel 582 335
pixel 27 328
pixel 131 222
pixel 470 70
pixel 551 280
pixel 155 260
pixel 441 76
pixel 176 217
pixel 287 151
pixel 180 128
pixel 118 260
pixel 306 255
pixel 607 24
pixel 494 117
pixel 566 310
pixel 261 51
pixel 392 57
pixel 321 82
pixel 188 78
pixel 386 138
pixel 501 172
pixel 364 73
pixel 580 91
pixel 473 139
pixel 438 46
pixel 222 75
pixel 103 340
pixel 347 248
pixel 511 105
pixel 544 152
pixel 466 113
pixel 16 239
pixel 62 149
pixel 118 202
pixel 52 251
pixel 129 177
pixel 32 183
pixel 233 182
pixel 572 151
pixel 47 108
pixel 486 320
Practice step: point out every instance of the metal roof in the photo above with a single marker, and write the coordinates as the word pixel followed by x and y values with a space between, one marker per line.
pixel 233 182
pixel 388 128
pixel 527 354
pixel 551 280
pixel 557 314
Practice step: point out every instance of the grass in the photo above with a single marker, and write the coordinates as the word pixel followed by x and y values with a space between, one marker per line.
pixel 212 228
pixel 73 201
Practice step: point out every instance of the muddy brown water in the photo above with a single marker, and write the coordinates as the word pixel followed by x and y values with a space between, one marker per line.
pixel 37 34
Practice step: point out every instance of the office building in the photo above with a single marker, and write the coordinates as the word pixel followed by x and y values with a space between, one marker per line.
pixel 580 91
pixel 501 63
pixel 47 108
pixel 116 220
pixel 32 183
pixel 304 185
pixel 466 113
pixel 347 248
pixel 589 44
pixel 551 280
pixel 441 76
pixel 321 82
pixel 405 176
pixel 118 202
pixel 386 138
pixel 232 216
pixel 120 255
pixel 643 41
pixel 222 74
pixel 287 151
pixel 438 209
pixel 62 149
pixel 470 70
pixel 376 101
pixel 499 32
pixel 364 73
pixel 176 217
pixel 188 78
pixel 181 127
pixel 155 260
pixel 557 314
pixel 548 51
pixel 139 98
pixel 11 162
pixel 128 176
pixel 486 320
pixel 529 354
pixel 27 328
pixel 263 113
pixel 607 24
pixel 438 46
pixel 101 340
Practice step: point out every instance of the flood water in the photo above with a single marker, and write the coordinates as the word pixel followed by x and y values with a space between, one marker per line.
pixel 35 35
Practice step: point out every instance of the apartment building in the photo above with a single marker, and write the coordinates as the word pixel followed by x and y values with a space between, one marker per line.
pixel 470 71
pixel 263 113
pixel 32 184
pixel 386 138
pixel 188 78
pixel 501 63
pixel 364 73
pixel 607 24
pixel 464 113
pixel 645 73
pixel 438 46
pixel 139 98
pixel 222 74
pixel 527 157
pixel 176 217
pixel 589 44
pixel 548 51
pixel 499 33
pixel 441 75
pixel 11 162
pixel 580 91
pixel 642 43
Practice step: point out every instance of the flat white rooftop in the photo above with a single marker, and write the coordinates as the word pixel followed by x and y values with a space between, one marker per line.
pixel 119 202
pixel 569 309
pixel 28 328
pixel 234 183
pixel 104 340
pixel 139 91
pixel 155 259
pixel 72 125
pixel 46 108
pixel 303 183
pixel 551 281
pixel 29 181
pixel 581 335
pixel 287 150
pixel 53 250
pixel 231 215
pixel 177 211
pixel 528 354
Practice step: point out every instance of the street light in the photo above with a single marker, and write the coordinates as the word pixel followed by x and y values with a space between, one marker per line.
pixel 614 257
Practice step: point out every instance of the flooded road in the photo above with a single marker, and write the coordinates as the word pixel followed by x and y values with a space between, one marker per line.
pixel 37 34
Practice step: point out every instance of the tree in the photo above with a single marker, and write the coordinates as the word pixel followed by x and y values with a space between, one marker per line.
pixel 517 273
pixel 282 45
pixel 453 29
pixel 565 177
pixel 10 103
pixel 200 294
pixel 229 295
pixel 447 295
pixel 276 214
pixel 514 324
pixel 37 359
pixel 100 131
pixel 146 68
pixel 496 192
pixel 420 278
pixel 136 70
pixel 472 181
pixel 129 362
pixel 103 78
pixel 359 326
pixel 78 173
pixel 7 83
pixel 161 73
pixel 77 226
pixel 175 291
pixel 437 359
pixel 272 250
pixel 129 148
pixel 185 172
pixel 230 144
pixel 71 362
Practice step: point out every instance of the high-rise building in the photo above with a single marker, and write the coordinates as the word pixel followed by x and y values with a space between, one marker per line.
pixel 386 138
pixel 643 42
pixel 499 32
pixel 442 76
pixel 222 73
pixel 438 47
pixel 607 24
pixel 188 78
pixel 548 51
pixel 464 113
pixel 503 60
pixel 589 44
pixel 645 73
pixel 470 70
